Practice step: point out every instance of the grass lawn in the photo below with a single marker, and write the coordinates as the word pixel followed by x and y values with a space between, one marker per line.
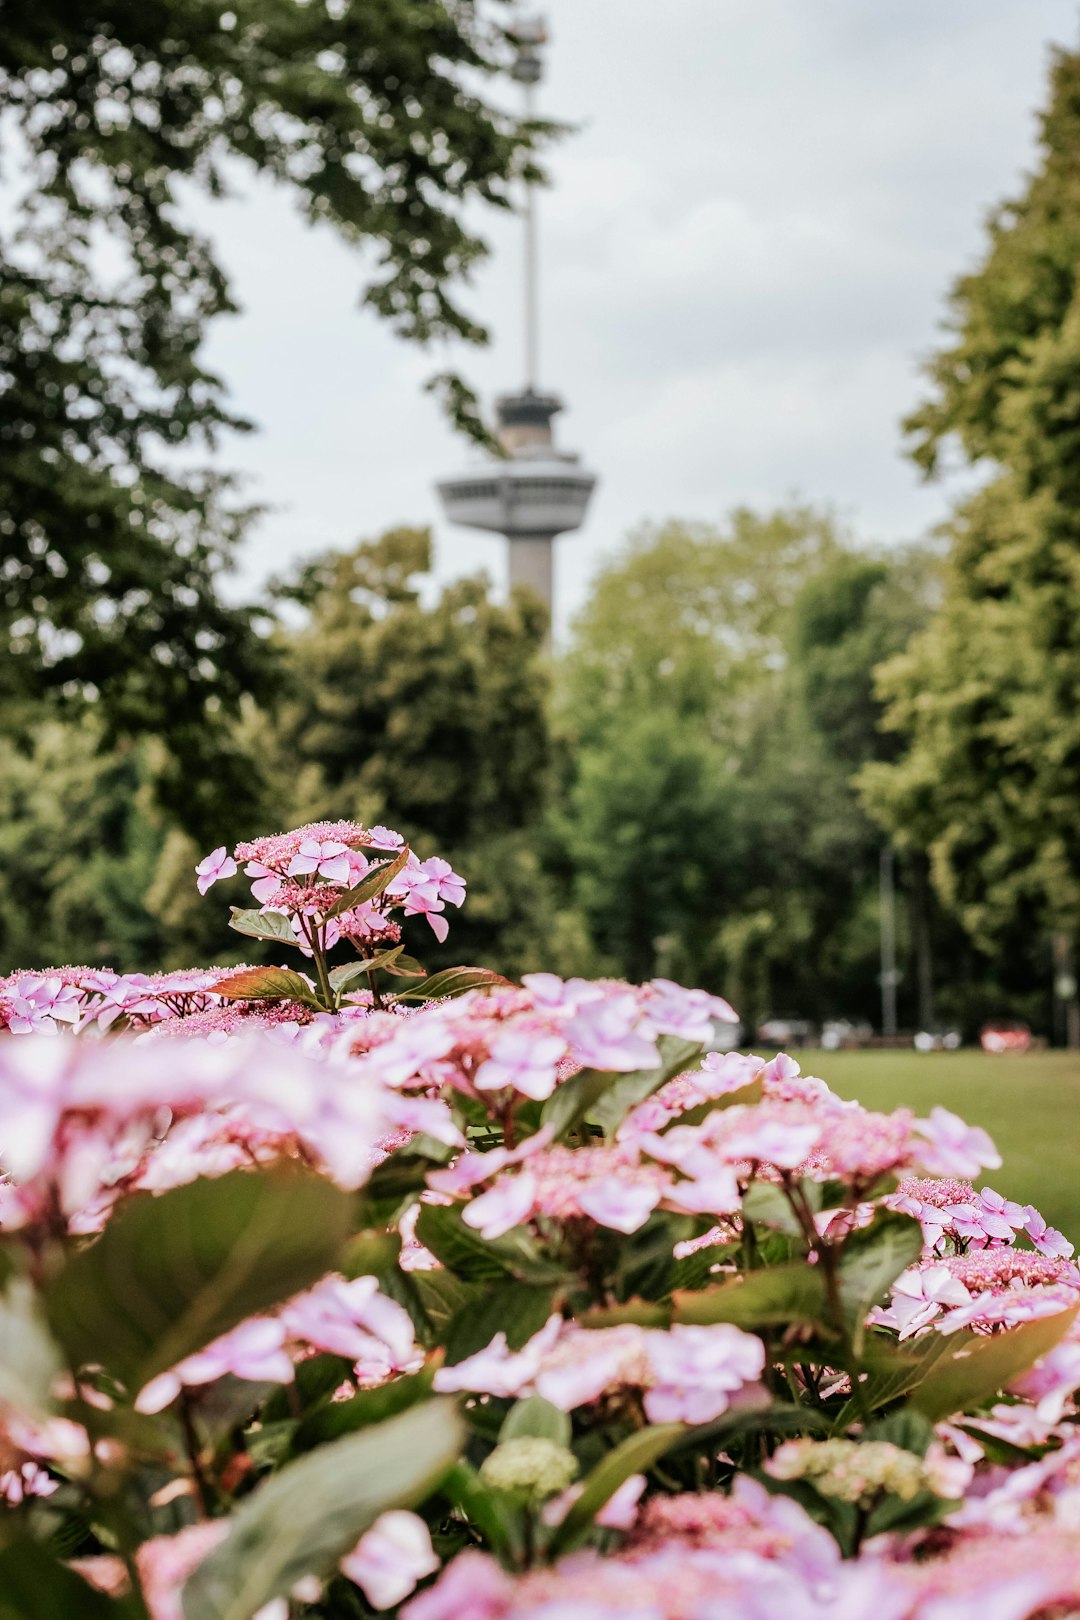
pixel 1029 1103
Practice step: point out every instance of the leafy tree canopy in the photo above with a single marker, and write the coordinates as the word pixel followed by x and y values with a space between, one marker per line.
pixel 988 697
pixel 374 114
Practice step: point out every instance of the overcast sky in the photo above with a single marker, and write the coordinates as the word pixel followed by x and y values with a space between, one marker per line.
pixel 745 251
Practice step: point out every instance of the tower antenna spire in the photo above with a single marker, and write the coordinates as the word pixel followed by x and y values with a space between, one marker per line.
pixel 536 491
pixel 530 36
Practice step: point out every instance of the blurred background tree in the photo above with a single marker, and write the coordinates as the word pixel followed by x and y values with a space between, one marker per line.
pixel 373 113
pixel 987 697
pixel 428 710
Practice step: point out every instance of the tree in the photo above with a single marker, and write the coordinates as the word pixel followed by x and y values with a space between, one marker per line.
pixel 688 615
pixel 429 713
pixel 718 697
pixel 373 113
pixel 987 699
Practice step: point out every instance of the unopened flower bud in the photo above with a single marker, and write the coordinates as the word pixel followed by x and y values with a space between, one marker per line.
pixel 854 1471
pixel 530 1468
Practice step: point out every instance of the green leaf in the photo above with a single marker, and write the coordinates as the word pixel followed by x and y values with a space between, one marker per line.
pixel 538 1419
pixel 606 1097
pixel 441 1296
pixel 518 1309
pixel 745 1097
pixel 766 1205
pixel 870 1262
pixel 333 1419
pixel 379 878
pixel 405 967
pixel 263 925
pixel 34 1585
pixel 171 1273
pixel 441 1229
pixel 29 1359
pixel 486 1508
pixel 349 972
pixel 772 1298
pixel 907 1365
pixel 267 984
pixel 907 1429
pixel 981 1365
pixel 302 1520
pixel 633 1456
pixel 694 1271
pixel 676 1055
pixel 453 982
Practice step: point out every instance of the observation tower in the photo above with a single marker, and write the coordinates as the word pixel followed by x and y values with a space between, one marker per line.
pixel 536 491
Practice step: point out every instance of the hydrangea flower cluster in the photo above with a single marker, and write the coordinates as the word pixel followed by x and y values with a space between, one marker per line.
pixel 303 876
pixel 596 1322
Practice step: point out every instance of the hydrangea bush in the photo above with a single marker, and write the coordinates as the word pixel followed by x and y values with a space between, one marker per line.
pixel 339 1290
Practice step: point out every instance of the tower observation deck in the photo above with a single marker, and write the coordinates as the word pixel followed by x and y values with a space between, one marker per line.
pixel 536 491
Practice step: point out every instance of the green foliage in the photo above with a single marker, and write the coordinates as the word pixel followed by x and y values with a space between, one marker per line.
pixel 311 1513
pixel 432 713
pixel 374 114
pixel 980 1367
pixel 28 1358
pixel 986 699
pixel 715 701
pixel 631 1456
pixel 171 1273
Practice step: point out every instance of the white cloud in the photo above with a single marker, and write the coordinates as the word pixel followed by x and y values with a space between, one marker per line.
pixel 747 246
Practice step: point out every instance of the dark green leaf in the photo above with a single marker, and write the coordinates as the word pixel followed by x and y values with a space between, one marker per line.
pixel 773 1298
pixel 302 1520
pixel 484 1507
pixel 441 1229
pixel 34 1585
pixel 332 1419
pixel 341 977
pixel 980 1366
pixel 676 1056
pixel 607 1098
pixel 453 981
pixel 906 1428
pixel 537 1419
pixel 517 1309
pixel 870 1262
pixel 171 1273
pixel 373 884
pixel 898 1369
pixel 633 1456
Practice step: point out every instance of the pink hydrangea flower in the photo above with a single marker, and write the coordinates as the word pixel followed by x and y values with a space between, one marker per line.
pixel 1047 1239
pixel 507 1204
pixel 255 1350
pixel 325 858
pixel 213 867
pixel 390 1558
pixel 525 1062
pixel 37 1004
pixel 919 1296
pixel 697 1371
pixel 952 1148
